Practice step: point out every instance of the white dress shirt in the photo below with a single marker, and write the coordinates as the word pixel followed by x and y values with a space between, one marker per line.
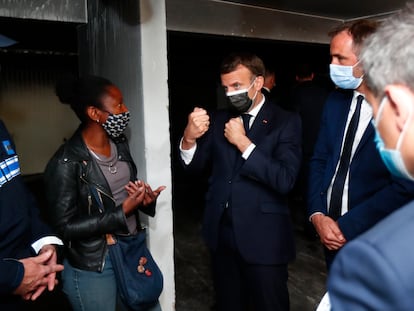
pixel 187 155
pixel 364 120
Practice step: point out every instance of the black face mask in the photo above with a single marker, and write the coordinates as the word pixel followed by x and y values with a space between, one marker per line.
pixel 239 101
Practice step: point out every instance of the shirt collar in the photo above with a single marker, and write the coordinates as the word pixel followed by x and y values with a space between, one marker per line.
pixel 256 109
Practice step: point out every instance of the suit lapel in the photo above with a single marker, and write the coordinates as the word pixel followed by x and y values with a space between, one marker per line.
pixel 366 137
pixel 260 126
pixel 262 123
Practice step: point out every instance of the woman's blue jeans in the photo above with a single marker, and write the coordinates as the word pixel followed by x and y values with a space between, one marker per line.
pixel 91 291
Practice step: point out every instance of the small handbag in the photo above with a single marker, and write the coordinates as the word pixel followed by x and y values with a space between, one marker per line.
pixel 138 277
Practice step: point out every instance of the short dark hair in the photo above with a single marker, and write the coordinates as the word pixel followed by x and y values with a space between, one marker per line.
pixel 303 70
pixel 359 30
pixel 269 71
pixel 248 60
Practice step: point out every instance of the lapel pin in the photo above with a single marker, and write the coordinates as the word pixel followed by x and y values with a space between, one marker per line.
pixel 264 121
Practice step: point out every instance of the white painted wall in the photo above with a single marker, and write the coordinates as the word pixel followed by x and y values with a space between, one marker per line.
pixel 157 137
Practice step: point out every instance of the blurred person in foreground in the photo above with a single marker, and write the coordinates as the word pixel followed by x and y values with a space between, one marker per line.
pixel 376 271
pixel 28 258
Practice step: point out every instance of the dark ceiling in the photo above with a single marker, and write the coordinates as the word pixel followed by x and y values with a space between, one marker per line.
pixel 344 10
pixel 39 35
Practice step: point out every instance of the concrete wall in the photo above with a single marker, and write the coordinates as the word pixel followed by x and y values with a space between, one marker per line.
pixel 125 41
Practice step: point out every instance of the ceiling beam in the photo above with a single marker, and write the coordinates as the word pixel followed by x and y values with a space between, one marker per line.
pixel 241 20
pixel 53 10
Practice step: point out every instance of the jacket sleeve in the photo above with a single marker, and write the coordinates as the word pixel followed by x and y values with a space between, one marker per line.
pixel 11 272
pixel 316 196
pixel 39 228
pixel 397 193
pixel 72 221
pixel 279 169
pixel 363 278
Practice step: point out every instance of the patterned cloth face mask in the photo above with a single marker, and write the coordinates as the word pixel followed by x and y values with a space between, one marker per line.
pixel 116 124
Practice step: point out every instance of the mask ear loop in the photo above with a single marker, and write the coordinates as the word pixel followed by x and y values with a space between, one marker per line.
pixel 379 113
pixel 400 139
pixel 405 127
pixel 254 97
pixel 251 84
pixel 356 64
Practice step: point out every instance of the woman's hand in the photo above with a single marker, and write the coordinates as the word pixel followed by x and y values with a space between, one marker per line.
pixel 140 193
pixel 136 195
pixel 151 195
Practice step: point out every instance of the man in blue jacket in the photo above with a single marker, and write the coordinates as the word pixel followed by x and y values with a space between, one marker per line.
pixel 350 189
pixel 375 271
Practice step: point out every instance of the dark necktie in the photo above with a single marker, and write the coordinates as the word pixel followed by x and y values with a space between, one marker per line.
pixel 246 119
pixel 335 205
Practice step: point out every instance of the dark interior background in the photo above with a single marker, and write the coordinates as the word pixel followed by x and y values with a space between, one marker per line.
pixel 193 78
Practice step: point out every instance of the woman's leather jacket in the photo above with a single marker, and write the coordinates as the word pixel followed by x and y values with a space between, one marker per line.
pixel 73 210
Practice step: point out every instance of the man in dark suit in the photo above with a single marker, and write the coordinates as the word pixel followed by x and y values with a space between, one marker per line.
pixel 246 224
pixel 376 271
pixel 268 89
pixel 350 189
pixel 28 258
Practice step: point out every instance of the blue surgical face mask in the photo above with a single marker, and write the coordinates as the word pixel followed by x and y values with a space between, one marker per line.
pixel 343 76
pixel 392 158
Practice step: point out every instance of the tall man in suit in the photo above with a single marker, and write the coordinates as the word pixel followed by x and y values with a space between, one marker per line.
pixel 376 271
pixel 350 188
pixel 254 164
